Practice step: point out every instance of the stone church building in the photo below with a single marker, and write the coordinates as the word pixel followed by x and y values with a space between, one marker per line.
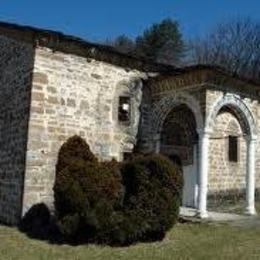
pixel 54 86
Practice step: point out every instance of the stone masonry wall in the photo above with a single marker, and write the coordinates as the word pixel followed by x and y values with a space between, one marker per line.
pixel 15 83
pixel 75 95
pixel 226 176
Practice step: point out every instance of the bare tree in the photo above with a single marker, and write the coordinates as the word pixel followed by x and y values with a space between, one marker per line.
pixel 234 45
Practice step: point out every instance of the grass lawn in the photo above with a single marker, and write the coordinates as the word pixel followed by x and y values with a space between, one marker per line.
pixel 257 206
pixel 184 241
pixel 237 207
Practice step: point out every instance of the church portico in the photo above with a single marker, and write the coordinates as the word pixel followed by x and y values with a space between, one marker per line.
pixel 218 152
pixel 240 158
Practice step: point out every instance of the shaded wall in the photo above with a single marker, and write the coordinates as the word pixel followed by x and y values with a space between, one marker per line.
pixel 16 67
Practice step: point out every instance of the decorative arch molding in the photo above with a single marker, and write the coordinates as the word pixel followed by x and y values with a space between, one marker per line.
pixel 241 110
pixel 164 106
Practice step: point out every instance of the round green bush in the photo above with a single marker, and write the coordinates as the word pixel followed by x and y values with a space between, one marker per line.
pixel 37 222
pixel 114 203
pixel 37 215
pixel 75 149
pixel 86 195
pixel 151 202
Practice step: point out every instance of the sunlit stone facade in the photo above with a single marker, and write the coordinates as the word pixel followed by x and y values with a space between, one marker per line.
pixel 55 86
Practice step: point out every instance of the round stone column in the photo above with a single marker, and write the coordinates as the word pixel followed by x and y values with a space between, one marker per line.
pixel 250 176
pixel 203 173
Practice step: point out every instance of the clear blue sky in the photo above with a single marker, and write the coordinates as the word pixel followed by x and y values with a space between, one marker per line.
pixel 96 20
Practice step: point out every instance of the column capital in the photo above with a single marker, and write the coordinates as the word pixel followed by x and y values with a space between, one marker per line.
pixel 251 138
pixel 204 131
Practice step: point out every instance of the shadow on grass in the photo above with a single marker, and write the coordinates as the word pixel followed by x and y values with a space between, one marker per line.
pixel 38 223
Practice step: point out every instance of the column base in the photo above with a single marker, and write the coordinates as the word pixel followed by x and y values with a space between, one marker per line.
pixel 250 211
pixel 202 214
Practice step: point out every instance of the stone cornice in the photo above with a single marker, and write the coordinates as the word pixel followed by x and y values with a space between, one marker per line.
pixel 201 75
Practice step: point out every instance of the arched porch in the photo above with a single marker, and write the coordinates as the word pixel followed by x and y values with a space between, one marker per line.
pixel 235 106
pixel 175 121
pixel 194 140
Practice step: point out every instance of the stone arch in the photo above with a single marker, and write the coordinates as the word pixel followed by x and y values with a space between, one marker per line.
pixel 165 105
pixel 183 111
pixel 178 134
pixel 245 117
pixel 239 108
